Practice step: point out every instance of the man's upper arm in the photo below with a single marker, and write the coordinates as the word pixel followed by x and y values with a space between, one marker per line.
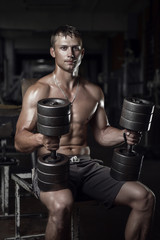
pixel 28 115
pixel 99 122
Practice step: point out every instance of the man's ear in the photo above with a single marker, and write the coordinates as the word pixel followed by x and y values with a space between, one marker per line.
pixel 52 52
pixel 83 51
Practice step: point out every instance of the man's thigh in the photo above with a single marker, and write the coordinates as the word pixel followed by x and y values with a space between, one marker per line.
pixel 99 185
pixel 130 192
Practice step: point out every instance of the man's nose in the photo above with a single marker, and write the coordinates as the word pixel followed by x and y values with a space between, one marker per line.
pixel 70 52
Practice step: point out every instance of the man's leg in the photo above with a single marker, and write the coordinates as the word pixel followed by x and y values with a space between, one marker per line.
pixel 142 203
pixel 59 204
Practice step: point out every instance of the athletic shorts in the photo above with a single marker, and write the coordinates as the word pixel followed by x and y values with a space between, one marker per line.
pixel 91 178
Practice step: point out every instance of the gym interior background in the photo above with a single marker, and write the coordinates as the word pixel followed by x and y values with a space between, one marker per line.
pixel 122 56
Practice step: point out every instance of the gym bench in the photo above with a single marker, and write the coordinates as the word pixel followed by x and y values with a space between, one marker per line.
pixel 24 180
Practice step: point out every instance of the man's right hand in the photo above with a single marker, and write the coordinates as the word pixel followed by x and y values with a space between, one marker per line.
pixel 50 143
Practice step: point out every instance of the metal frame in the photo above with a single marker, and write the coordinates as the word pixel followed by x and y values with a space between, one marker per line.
pixel 75 223
pixel 5 178
pixel 20 180
pixel 4 185
pixel 5 190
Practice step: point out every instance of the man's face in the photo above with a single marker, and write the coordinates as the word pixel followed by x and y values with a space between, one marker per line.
pixel 67 52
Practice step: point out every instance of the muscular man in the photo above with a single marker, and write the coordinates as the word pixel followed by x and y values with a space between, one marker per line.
pixel 87 175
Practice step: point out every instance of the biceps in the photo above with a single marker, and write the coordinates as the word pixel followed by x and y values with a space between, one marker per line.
pixel 99 121
pixel 27 120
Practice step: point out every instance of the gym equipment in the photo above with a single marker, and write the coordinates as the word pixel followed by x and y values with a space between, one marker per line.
pixel 6 162
pixel 136 116
pixel 54 116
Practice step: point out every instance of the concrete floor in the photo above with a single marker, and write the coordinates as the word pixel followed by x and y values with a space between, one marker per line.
pixel 95 221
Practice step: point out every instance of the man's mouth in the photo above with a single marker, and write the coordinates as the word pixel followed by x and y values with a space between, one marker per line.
pixel 71 61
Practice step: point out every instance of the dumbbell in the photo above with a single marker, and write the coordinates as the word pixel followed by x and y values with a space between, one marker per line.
pixel 136 116
pixel 53 119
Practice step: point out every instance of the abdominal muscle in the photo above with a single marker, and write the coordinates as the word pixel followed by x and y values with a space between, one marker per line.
pixel 71 144
pixel 68 150
pixel 74 150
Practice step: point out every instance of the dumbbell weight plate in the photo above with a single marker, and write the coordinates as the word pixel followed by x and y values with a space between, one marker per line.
pixel 122 156
pixel 53 107
pixel 136 117
pixel 119 176
pixel 125 168
pixel 54 121
pixel 138 105
pixel 134 126
pixel 53 131
pixel 46 187
pixel 44 164
pixel 136 114
pixel 53 178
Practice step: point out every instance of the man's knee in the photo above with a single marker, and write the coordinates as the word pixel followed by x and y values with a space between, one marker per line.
pixel 59 202
pixel 144 200
pixel 60 207
pixel 136 195
pixel 60 213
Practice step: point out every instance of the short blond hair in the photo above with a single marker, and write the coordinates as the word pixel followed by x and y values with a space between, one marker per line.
pixel 65 30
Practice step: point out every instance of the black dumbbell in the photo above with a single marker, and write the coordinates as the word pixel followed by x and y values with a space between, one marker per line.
pixel 53 119
pixel 136 116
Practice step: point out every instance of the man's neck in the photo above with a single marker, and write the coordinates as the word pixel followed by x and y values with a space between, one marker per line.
pixel 67 80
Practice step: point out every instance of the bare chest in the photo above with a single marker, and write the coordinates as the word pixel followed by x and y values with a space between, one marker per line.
pixel 83 107
pixel 82 110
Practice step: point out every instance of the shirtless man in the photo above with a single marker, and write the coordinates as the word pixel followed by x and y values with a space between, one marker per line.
pixel 87 108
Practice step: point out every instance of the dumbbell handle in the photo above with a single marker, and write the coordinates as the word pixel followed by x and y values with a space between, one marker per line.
pixel 53 154
pixel 129 148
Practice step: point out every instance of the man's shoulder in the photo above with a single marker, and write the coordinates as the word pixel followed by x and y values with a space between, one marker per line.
pixel 38 90
pixel 41 83
pixel 36 87
pixel 93 88
pixel 88 83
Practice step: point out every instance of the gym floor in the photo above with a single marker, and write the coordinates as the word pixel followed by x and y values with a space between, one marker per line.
pixel 95 221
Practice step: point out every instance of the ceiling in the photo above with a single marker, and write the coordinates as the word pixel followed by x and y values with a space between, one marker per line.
pixel 27 24
pixel 107 6
pixel 88 15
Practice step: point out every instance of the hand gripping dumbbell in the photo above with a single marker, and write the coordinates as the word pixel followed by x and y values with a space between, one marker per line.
pixel 136 116
pixel 54 115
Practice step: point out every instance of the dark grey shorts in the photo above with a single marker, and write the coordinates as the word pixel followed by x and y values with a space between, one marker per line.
pixel 89 176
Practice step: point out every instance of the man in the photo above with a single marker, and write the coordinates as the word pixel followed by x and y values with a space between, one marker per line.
pixel 87 176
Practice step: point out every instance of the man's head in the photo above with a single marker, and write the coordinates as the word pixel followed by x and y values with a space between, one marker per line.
pixel 66 48
pixel 65 31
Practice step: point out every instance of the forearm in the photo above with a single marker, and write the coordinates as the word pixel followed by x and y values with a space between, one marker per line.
pixel 109 136
pixel 26 141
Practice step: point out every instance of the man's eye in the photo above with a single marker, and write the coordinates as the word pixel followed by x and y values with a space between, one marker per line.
pixel 76 48
pixel 64 48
